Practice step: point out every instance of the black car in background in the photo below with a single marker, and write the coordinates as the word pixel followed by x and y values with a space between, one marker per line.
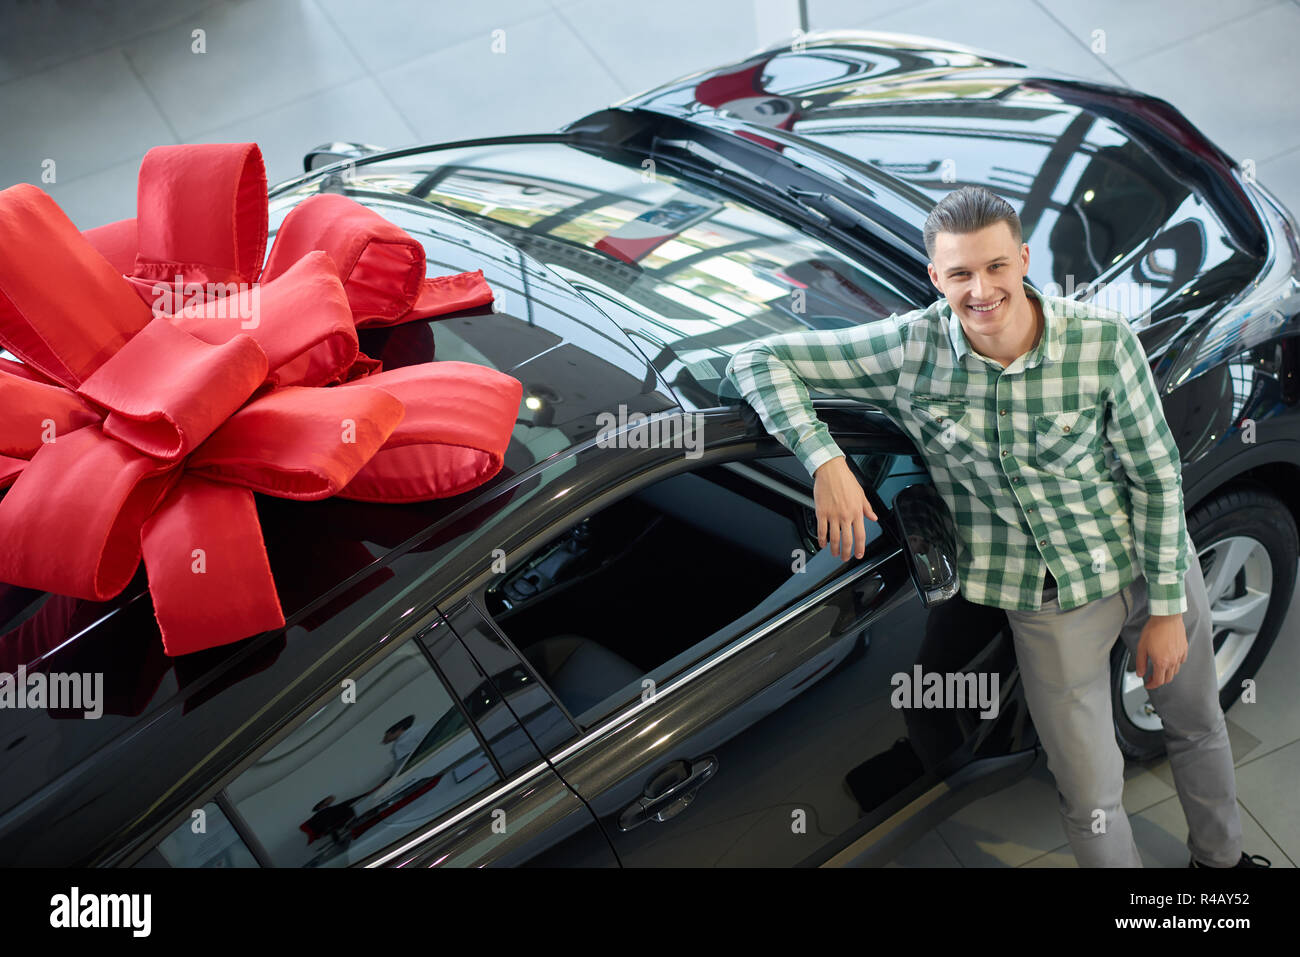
pixel 621 652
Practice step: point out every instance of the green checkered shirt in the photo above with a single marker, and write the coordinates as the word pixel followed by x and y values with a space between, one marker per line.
pixel 1062 460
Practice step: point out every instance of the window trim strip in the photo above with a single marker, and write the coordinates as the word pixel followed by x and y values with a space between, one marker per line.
pixel 622 717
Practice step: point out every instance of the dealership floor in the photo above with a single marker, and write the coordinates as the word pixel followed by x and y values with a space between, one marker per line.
pixel 92 87
pixel 1021 827
pixel 93 90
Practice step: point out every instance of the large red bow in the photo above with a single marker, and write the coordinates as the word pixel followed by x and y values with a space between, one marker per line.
pixel 152 405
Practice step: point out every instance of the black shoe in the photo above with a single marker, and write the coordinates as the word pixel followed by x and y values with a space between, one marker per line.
pixel 1247 860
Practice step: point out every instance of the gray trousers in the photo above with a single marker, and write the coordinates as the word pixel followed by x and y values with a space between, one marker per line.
pixel 1065 666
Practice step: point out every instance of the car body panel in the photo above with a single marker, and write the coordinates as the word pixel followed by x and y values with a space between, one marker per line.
pixel 358 580
pixel 819 677
pixel 557 830
pixel 1110 185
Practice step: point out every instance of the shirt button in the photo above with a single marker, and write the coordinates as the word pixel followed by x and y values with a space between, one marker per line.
pixel 1003 412
pixel 1042 541
pixel 1031 508
pixel 1066 429
pixel 1004 453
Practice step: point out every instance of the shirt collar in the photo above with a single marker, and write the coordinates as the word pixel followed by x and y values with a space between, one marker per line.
pixel 1053 329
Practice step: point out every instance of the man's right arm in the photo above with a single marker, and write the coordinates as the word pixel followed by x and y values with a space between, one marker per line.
pixel 773 374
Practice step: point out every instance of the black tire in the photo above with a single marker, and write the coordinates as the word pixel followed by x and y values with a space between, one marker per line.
pixel 1249 512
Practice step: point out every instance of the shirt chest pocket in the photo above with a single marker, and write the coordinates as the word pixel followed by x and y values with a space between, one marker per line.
pixel 948 428
pixel 1067 443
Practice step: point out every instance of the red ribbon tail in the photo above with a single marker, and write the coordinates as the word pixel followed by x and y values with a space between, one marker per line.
pixel 439 295
pixel 71 522
pixel 208 571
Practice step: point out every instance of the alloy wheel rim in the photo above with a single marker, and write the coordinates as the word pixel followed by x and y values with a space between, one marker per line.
pixel 1238 577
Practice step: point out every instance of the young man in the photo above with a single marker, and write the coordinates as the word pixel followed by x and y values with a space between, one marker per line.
pixel 1040 424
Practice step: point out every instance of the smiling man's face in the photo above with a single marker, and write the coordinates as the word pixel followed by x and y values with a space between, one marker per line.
pixel 985 268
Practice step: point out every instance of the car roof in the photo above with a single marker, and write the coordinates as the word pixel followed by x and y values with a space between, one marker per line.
pixel 574 363
pixel 920 117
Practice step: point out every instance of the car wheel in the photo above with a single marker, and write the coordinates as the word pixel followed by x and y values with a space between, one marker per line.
pixel 1247 544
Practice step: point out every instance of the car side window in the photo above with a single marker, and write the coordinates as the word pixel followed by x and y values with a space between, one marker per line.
pixel 658 581
pixel 371 766
pixel 206 839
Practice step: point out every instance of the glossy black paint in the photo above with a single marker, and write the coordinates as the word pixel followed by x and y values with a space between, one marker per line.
pixel 1166 210
pixel 794 720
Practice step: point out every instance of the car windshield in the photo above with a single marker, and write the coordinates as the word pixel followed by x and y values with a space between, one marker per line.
pixel 688 271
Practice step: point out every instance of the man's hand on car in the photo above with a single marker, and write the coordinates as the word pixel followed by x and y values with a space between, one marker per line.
pixel 841 503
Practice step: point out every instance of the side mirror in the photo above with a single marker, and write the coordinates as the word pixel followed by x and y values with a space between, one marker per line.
pixel 328 153
pixel 929 539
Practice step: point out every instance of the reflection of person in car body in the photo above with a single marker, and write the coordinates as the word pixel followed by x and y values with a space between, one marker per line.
pixel 329 818
pixel 402 740
pixel 404 736
pixel 1041 427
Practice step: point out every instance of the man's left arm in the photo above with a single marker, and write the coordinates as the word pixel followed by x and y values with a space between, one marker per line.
pixel 1137 429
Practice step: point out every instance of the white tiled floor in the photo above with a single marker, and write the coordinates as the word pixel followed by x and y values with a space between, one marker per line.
pixel 93 85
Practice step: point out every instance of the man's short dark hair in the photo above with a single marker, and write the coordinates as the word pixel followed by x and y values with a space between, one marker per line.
pixel 401 725
pixel 967 210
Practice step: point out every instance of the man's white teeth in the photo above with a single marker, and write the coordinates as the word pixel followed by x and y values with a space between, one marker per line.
pixel 987 308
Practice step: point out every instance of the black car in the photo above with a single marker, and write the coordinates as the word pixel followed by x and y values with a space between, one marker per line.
pixel 626 647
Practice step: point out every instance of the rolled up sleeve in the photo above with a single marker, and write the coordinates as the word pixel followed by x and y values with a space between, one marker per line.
pixel 773 374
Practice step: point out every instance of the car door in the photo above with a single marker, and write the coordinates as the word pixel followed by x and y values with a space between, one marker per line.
pixel 417 761
pixel 531 818
pixel 776 740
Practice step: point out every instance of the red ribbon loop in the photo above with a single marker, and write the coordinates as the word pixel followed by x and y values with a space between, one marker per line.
pixel 63 309
pixel 438 449
pixel 35 413
pixel 178 233
pixel 301 320
pixel 381 265
pixel 300 443
pixel 136 432
pixel 71 523
pixel 167 391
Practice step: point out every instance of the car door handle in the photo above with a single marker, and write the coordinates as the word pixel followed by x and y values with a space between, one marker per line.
pixel 671 802
pixel 866 596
